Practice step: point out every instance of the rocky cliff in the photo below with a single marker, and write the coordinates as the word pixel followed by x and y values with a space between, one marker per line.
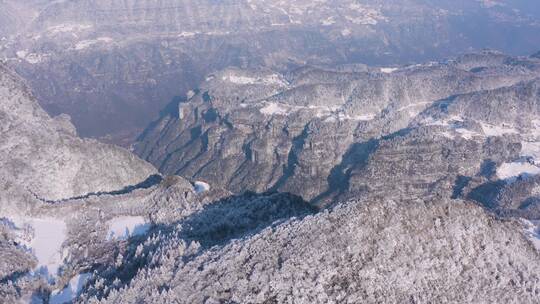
pixel 322 133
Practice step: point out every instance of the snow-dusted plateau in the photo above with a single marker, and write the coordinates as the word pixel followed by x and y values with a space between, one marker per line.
pixel 273 151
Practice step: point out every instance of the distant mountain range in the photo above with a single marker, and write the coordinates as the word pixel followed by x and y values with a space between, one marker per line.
pixel 112 66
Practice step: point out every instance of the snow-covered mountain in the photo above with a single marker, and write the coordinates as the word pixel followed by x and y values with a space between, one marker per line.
pixel 327 134
pixel 45 157
pixel 112 65
pixel 320 151
pixel 65 199
pixel 116 232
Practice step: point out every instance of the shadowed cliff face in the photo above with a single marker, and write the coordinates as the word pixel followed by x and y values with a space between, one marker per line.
pixel 324 134
pixel 113 65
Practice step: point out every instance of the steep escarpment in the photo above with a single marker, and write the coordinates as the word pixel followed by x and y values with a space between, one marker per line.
pixel 323 133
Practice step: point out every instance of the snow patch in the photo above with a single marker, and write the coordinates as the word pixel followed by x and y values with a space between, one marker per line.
pixel 346 32
pixel 21 54
pixel 466 133
pixel 492 130
pixel 365 117
pixel 388 70
pixel 243 80
pixel 68 28
pixel 490 3
pixel 124 227
pixel 32 58
pixel 448 122
pixel 190 94
pixel 531 149
pixel 365 15
pixel 88 43
pixel 186 34
pixel 71 291
pixel 362 117
pixel 274 109
pixel 201 187
pixel 329 21
pixel 532 232
pixel 510 171
pixel 44 238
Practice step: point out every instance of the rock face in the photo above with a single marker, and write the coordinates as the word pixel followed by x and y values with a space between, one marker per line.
pixel 406 252
pixel 101 61
pixel 44 155
pixel 324 134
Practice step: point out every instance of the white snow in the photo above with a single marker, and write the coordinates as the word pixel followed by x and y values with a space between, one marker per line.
pixel 346 32
pixel 329 21
pixel 34 58
pixel 201 187
pixel 416 108
pixel 490 3
pixel 362 20
pixel 240 79
pixel 466 133
pixel 123 227
pixel 31 58
pixel 44 237
pixel 492 130
pixel 513 170
pixel 330 113
pixel 186 34
pixel 364 15
pixel 388 70
pixel 274 109
pixel 447 122
pixel 365 117
pixel 448 135
pixel 190 94
pixel 342 116
pixel 67 28
pixel 267 79
pixel 532 232
pixel 536 190
pixel 531 149
pixel 71 291
pixel 88 43
pixel 21 54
